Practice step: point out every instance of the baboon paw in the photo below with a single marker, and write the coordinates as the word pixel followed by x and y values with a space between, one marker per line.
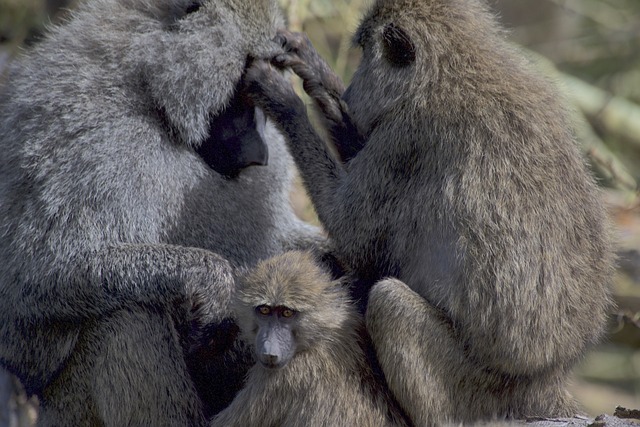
pixel 298 49
pixel 268 88
pixel 207 305
pixel 292 42
pixel 288 60
pixel 307 73
pixel 320 82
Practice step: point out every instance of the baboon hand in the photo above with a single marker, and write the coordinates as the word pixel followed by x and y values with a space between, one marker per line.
pixel 298 54
pixel 206 305
pixel 270 90
pixel 208 291
pixel 319 81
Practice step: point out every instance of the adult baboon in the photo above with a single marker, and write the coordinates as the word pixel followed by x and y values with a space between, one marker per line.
pixel 310 346
pixel 116 237
pixel 466 184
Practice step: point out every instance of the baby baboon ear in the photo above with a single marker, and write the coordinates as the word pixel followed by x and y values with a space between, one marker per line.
pixel 397 47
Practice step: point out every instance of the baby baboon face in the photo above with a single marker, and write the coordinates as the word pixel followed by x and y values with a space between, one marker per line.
pixel 287 305
pixel 275 343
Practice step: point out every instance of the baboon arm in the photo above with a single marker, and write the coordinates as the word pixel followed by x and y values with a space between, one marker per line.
pixel 320 170
pixel 305 237
pixel 325 88
pixel 345 135
pixel 415 347
pixel 95 283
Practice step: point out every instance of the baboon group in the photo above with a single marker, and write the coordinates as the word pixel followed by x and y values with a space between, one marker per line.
pixel 153 273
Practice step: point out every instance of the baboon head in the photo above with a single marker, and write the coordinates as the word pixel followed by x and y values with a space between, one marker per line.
pixel 413 51
pixel 189 56
pixel 286 305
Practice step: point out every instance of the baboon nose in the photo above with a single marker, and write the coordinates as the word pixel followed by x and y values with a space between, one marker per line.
pixel 269 360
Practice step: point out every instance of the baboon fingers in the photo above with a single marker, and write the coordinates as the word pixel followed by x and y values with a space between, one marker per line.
pixel 270 90
pixel 296 64
pixel 318 89
pixel 261 74
pixel 298 45
pixel 292 41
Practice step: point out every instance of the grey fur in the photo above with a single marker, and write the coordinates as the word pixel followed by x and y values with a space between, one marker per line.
pixel 469 187
pixel 329 381
pixel 114 235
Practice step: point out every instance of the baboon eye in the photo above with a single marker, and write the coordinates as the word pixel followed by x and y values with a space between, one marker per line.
pixel 398 48
pixel 288 313
pixel 264 310
pixel 193 7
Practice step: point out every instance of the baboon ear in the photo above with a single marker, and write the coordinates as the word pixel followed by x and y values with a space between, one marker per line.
pixel 398 48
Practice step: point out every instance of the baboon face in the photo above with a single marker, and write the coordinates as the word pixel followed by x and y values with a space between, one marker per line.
pixel 236 131
pixel 275 343
pixel 236 140
pixel 287 305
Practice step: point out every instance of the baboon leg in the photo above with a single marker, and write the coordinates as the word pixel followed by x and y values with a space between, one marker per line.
pixel 128 370
pixel 434 377
pixel 411 343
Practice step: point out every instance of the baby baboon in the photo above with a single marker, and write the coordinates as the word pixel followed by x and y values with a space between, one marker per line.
pixel 466 184
pixel 309 343
pixel 126 204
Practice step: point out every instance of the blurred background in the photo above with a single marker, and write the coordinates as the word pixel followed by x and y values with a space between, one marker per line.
pixel 591 48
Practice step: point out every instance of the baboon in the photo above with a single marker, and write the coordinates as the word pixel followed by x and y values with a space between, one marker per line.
pixel 466 186
pixel 127 204
pixel 310 348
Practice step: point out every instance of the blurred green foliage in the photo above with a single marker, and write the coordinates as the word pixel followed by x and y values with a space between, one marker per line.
pixel 18 17
pixel 22 21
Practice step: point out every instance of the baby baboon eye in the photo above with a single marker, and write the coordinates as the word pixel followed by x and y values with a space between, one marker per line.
pixel 398 48
pixel 264 310
pixel 193 7
pixel 288 313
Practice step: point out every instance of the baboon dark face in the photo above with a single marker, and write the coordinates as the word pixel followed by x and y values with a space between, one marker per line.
pixel 236 139
pixel 275 342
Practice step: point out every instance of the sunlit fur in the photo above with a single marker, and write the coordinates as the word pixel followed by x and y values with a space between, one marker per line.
pixel 329 381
